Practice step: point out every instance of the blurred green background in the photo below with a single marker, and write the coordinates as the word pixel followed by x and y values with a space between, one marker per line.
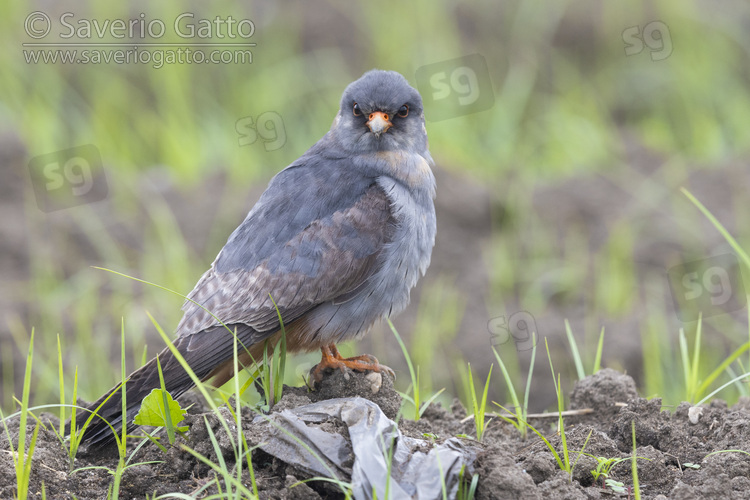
pixel 561 200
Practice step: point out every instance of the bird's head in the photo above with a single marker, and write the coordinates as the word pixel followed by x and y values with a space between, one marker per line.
pixel 380 112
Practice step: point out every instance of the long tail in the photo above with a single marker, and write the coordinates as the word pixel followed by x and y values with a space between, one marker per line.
pixel 206 353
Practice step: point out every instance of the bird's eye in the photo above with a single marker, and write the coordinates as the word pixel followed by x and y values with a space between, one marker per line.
pixel 403 111
pixel 356 110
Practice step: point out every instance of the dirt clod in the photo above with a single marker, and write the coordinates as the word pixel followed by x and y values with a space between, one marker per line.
pixel 602 392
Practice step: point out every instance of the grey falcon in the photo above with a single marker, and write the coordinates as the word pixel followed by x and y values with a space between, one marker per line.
pixel 338 240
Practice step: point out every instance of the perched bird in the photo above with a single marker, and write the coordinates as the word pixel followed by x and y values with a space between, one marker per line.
pixel 337 241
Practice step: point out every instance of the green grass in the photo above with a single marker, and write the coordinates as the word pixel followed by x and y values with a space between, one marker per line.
pixel 479 404
pixel 416 401
pixel 121 439
pixel 580 371
pixel 604 466
pixel 634 467
pixel 467 488
pixel 562 457
pixel 520 411
pixel 273 369
pixel 23 454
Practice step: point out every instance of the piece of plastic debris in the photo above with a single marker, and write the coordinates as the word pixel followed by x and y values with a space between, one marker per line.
pixel 418 468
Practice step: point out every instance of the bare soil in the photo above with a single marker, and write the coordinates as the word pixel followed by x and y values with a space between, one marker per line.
pixel 508 466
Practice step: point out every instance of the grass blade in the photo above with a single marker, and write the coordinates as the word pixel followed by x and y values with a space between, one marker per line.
pixel 61 380
pixel 684 355
pixel 574 349
pixel 508 382
pixel 712 394
pixel 599 348
pixel 696 356
pixel 720 369
pixel 736 246
pixel 412 373
pixel 634 468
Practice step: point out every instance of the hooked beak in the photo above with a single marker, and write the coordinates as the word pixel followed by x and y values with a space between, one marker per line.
pixel 379 122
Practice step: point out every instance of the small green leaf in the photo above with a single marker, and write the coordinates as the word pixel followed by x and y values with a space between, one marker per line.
pixel 616 486
pixel 152 410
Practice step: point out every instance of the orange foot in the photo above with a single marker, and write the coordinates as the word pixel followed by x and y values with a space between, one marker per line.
pixel 332 359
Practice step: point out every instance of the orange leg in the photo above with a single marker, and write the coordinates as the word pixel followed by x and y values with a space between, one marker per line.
pixel 332 359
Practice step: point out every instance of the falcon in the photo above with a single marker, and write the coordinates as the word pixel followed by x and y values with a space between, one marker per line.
pixel 336 243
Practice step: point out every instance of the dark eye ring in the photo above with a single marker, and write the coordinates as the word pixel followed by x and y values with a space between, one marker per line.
pixel 356 110
pixel 403 111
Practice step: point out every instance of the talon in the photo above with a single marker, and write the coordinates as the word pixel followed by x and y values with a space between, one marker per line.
pixel 332 359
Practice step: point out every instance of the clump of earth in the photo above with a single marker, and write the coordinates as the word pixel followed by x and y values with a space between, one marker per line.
pixel 507 465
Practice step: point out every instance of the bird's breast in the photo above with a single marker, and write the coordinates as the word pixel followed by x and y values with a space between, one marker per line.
pixel 408 254
pixel 409 186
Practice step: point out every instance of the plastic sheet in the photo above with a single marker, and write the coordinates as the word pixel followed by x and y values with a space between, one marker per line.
pixel 419 469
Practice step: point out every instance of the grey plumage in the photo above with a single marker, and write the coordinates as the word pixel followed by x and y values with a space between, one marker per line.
pixel 338 239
